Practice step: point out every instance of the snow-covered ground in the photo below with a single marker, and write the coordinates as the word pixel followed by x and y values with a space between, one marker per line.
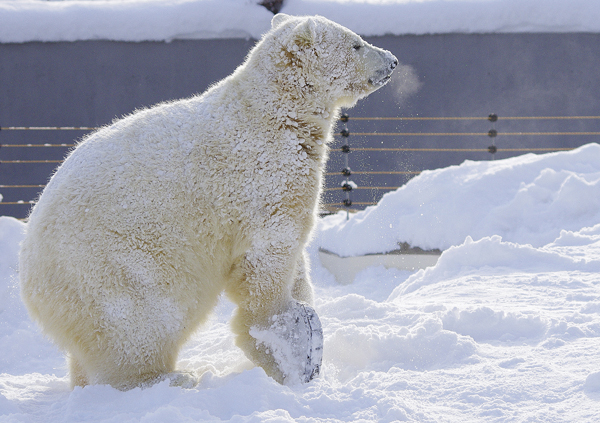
pixel 500 330
pixel 141 20
pixel 505 328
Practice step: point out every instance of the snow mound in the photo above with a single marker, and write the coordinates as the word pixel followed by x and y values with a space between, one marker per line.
pixel 592 382
pixel 491 252
pixel 484 324
pixel 527 199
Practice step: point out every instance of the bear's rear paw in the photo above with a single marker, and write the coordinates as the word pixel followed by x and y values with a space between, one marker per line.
pixel 183 379
pixel 295 341
pixel 187 380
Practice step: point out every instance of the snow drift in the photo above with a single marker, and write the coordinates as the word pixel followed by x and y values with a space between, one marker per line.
pixel 527 199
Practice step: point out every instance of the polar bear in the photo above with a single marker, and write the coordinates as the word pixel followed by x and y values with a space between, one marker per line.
pixel 150 219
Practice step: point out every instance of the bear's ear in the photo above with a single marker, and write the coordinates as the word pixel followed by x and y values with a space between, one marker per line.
pixel 279 19
pixel 305 33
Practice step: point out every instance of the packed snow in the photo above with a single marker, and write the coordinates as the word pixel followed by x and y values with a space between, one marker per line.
pixel 155 20
pixel 504 328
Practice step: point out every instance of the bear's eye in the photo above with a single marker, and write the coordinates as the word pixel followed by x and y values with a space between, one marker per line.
pixel 357 47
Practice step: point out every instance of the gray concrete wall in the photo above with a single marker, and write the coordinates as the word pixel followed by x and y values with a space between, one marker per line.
pixel 90 83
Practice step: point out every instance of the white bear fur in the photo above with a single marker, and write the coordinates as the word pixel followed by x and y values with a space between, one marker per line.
pixel 149 219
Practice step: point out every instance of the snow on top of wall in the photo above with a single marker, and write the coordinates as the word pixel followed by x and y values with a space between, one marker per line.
pixel 155 20
pixel 379 17
pixel 130 20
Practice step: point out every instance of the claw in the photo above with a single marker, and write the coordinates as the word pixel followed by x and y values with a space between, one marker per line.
pixel 314 347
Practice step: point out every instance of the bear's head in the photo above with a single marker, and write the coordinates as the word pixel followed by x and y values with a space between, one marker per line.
pixel 313 56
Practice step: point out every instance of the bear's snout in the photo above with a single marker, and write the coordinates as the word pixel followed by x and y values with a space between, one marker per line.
pixel 383 75
pixel 390 59
pixel 394 62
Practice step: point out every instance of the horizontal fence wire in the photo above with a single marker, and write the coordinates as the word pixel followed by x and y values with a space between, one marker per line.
pixel 48 128
pixel 462 134
pixel 22 186
pixel 369 187
pixel 499 118
pixel 36 145
pixel 457 150
pixel 30 161
pixel 378 172
pixel 406 149
pixel 471 118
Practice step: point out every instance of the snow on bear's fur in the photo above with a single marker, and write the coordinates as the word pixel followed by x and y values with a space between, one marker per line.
pixel 149 219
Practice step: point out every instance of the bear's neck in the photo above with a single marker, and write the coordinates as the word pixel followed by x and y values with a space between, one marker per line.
pixel 288 106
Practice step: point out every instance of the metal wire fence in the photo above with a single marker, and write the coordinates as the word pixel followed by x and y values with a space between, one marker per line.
pixel 459 143
pixel 26 166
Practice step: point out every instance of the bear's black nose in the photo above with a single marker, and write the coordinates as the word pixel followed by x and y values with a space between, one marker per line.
pixel 394 64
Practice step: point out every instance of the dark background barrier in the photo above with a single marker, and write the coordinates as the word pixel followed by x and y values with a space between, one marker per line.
pixel 90 83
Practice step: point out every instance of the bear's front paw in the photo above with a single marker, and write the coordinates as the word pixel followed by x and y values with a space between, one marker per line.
pixel 295 341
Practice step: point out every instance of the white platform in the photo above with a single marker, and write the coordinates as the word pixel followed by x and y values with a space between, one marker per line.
pixel 345 268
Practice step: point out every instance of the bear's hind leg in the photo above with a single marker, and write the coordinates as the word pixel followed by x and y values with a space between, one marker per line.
pixel 77 374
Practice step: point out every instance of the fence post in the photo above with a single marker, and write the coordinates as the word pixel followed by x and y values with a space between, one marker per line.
pixel 347 184
pixel 493 117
